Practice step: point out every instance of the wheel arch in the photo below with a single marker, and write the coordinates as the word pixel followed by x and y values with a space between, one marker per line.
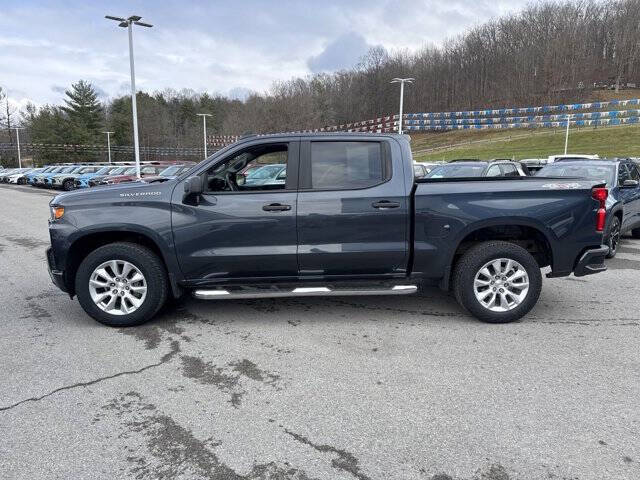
pixel 526 234
pixel 89 241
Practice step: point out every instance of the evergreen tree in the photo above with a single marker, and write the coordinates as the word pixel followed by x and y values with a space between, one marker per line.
pixel 84 113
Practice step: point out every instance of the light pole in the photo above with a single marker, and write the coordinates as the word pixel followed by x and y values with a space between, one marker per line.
pixel 566 136
pixel 18 141
pixel 204 130
pixel 128 24
pixel 108 145
pixel 401 81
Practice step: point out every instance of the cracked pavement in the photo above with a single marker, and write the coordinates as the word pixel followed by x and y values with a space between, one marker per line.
pixel 342 388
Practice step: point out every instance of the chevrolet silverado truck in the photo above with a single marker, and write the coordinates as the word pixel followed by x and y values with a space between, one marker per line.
pixel 349 218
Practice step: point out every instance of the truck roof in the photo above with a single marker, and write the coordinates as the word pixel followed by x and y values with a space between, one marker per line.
pixel 322 134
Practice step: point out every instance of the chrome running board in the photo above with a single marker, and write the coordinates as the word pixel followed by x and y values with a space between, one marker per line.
pixel 274 292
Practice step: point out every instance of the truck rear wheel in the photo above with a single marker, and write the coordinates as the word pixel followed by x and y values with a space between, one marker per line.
pixel 497 282
pixel 121 284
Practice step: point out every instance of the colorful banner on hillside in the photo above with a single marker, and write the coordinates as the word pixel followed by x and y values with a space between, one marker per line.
pixel 525 110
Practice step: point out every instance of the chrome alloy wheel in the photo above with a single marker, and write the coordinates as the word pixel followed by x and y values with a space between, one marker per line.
pixel 117 287
pixel 501 285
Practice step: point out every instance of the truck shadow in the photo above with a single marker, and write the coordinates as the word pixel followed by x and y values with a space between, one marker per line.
pixel 429 304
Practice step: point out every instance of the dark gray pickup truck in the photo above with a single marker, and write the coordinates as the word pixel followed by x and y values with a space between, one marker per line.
pixel 348 219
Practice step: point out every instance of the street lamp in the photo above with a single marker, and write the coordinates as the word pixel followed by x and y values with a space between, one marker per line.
pixel 17 129
pixel 204 130
pixel 401 81
pixel 109 144
pixel 128 24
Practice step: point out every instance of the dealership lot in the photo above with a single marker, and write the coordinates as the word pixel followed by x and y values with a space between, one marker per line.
pixel 343 388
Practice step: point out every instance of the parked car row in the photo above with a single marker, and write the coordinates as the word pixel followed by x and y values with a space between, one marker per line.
pixel 497 167
pixel 71 176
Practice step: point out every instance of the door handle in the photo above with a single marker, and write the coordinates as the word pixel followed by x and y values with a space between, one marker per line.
pixel 384 204
pixel 276 207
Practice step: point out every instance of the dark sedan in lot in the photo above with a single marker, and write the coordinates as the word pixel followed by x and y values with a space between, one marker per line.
pixel 477 168
pixel 623 203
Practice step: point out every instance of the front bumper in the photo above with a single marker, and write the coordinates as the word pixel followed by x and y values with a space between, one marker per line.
pixel 57 276
pixel 591 261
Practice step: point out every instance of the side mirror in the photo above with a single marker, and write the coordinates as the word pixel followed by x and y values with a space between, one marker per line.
pixel 240 178
pixel 630 184
pixel 193 186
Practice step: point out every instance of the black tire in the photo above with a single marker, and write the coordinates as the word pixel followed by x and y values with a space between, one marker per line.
pixel 472 262
pixel 67 185
pixel 146 261
pixel 635 233
pixel 612 238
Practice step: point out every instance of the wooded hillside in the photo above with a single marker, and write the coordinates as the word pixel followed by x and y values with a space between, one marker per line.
pixel 550 52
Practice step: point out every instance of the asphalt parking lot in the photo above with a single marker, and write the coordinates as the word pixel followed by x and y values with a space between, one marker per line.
pixel 341 388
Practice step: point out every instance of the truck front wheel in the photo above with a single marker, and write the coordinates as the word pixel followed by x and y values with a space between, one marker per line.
pixel 497 282
pixel 121 284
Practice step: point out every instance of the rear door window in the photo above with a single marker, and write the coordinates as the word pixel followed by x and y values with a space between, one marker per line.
pixel 347 165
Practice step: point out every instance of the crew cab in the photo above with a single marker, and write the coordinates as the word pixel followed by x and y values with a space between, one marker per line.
pixel 350 219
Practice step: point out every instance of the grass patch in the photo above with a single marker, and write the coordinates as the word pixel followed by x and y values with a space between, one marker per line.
pixel 623 141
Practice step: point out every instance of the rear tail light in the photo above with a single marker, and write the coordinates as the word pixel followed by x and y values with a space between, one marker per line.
pixel 600 194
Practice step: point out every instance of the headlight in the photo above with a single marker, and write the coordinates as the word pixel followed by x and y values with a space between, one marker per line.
pixel 57 212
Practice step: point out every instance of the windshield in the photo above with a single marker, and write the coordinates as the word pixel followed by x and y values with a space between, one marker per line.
pixel 265 172
pixel 452 170
pixel 118 171
pixel 604 173
pixel 130 171
pixel 67 170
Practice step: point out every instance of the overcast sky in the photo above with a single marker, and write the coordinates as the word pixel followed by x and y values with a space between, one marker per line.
pixel 226 47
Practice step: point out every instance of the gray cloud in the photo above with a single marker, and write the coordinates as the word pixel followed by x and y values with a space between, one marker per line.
pixel 341 53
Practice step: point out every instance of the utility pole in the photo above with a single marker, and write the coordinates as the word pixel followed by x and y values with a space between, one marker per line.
pixel 108 145
pixel 204 130
pixel 401 81
pixel 17 129
pixel 128 24
pixel 566 137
